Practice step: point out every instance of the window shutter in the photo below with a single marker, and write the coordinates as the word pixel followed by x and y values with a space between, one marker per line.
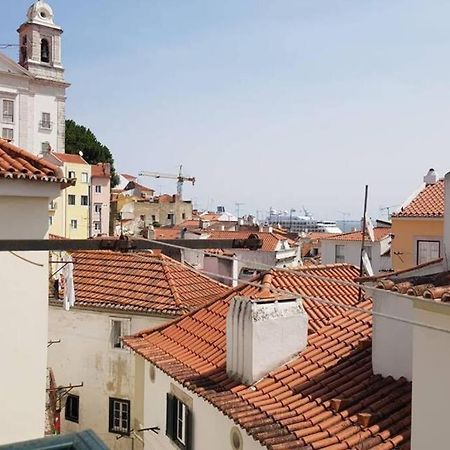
pixel 170 416
pixel 188 429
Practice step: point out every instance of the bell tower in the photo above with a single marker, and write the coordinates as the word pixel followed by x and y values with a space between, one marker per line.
pixel 40 43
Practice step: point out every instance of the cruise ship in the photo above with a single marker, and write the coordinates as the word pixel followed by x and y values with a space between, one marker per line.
pixel 303 224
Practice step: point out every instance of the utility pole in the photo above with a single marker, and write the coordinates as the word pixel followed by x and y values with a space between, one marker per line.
pixel 366 194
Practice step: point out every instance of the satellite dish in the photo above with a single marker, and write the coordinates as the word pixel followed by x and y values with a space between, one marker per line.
pixel 80 153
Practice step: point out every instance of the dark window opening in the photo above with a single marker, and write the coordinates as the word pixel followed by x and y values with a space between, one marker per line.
pixel 45 51
pixel 178 422
pixel 72 410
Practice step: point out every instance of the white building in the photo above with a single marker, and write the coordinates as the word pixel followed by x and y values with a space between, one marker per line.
pixel 33 91
pixel 346 248
pixel 115 294
pixel 27 184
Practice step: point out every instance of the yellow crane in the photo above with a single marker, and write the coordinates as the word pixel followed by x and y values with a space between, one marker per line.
pixel 180 179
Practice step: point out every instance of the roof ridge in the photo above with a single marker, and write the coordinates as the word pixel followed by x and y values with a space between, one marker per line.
pixel 172 284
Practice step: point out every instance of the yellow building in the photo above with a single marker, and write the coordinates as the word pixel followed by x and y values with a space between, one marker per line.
pixel 418 228
pixel 69 215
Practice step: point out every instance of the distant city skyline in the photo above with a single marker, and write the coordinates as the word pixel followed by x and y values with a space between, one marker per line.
pixel 278 104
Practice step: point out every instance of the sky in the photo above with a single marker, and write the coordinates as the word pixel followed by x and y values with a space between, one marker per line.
pixel 281 104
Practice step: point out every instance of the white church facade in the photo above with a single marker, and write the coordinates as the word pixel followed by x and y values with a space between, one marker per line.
pixel 33 91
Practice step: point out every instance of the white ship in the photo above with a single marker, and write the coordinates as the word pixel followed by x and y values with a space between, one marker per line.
pixel 302 224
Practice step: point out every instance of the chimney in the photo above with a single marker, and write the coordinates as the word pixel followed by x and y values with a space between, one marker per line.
pixel 447 220
pixel 262 334
pixel 430 177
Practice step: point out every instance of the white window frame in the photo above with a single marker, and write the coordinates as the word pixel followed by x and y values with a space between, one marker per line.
pixel 72 174
pixel 71 199
pixel 84 177
pixel 422 259
pixel 97 226
pixel 8 111
pixel 74 224
pixel 84 197
pixel 119 327
pixel 118 408
pixel 8 133
pixel 180 423
pixel 339 256
pixel 45 123
pixel 98 188
pixel 98 208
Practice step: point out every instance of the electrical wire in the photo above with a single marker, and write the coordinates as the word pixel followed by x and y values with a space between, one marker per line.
pixel 26 259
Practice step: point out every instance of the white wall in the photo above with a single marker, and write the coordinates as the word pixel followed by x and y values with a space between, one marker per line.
pixel 391 340
pixel 431 375
pixel 85 354
pixel 23 308
pixel 211 428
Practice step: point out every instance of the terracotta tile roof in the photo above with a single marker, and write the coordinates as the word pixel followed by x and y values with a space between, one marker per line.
pixel 428 203
pixel 69 158
pixel 142 281
pixel 17 163
pixel 167 233
pixel 128 177
pixel 100 170
pixel 326 398
pixel 379 232
pixel 270 240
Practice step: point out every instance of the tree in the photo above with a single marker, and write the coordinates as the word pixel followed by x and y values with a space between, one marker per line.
pixel 80 138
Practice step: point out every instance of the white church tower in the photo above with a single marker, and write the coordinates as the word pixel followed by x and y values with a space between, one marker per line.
pixel 40 43
pixel 33 92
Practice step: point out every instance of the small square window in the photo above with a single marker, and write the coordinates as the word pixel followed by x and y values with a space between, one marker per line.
pixel 119 416
pixel 74 224
pixel 84 177
pixel 71 199
pixel 98 188
pixel 97 226
pixel 45 122
pixel 84 200
pixel 98 207
pixel 72 409
pixel 72 174
pixel 8 134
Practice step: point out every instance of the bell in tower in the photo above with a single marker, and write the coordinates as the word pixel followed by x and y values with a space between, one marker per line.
pixel 40 43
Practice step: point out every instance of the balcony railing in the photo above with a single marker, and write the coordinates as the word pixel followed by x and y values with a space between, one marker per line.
pixel 45 125
pixel 8 118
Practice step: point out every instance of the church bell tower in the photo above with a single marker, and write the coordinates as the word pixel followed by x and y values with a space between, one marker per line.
pixel 40 43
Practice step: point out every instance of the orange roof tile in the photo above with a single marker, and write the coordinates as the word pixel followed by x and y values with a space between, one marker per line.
pixel 167 233
pixel 69 158
pixel 326 398
pixel 142 281
pixel 100 170
pixel 428 203
pixel 269 240
pixel 19 164
pixel 379 233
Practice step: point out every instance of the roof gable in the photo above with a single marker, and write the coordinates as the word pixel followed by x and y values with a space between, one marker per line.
pixel 142 282
pixel 7 65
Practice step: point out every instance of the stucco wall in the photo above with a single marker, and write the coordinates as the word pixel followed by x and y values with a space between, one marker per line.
pixel 211 428
pixel 431 372
pixel 86 355
pixel 406 232
pixel 23 308
pixel 103 198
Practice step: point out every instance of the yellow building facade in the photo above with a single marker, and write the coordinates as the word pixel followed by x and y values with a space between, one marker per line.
pixel 69 214
pixel 418 228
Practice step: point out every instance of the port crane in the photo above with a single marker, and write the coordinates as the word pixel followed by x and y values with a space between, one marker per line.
pixel 180 179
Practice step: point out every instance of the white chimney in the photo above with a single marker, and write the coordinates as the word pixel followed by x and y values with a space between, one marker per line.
pixel 430 177
pixel 447 220
pixel 262 334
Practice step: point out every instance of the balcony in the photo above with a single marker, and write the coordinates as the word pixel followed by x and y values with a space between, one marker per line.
pixel 52 206
pixel 45 125
pixel 8 118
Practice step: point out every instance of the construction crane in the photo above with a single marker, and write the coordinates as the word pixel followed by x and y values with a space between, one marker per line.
pixel 180 179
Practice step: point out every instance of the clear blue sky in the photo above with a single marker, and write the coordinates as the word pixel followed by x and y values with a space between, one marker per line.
pixel 270 103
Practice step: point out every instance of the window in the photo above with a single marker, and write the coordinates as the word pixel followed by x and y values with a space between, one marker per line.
pixel 178 422
pixel 84 177
pixel 8 134
pixel 119 328
pixel 50 220
pixel 97 226
pixel 72 174
pixel 8 111
pixel 45 147
pixel 74 224
pixel 71 199
pixel 119 416
pixel 45 121
pixel 45 51
pixel 183 216
pixel 84 200
pixel 98 188
pixel 98 207
pixel 153 218
pixel 339 255
pixel 428 251
pixel 72 409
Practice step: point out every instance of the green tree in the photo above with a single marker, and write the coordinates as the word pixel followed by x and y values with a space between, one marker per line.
pixel 80 138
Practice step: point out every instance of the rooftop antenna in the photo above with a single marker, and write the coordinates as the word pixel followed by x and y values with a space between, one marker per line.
pixel 344 219
pixel 238 208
